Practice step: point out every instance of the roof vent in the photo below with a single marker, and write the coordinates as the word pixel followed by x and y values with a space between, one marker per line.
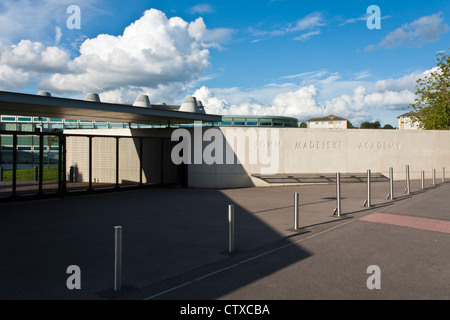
pixel 92 97
pixel 142 101
pixel 44 94
pixel 201 108
pixel 189 105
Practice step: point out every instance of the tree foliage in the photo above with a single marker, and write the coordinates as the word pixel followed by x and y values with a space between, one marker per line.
pixel 432 105
pixel 370 125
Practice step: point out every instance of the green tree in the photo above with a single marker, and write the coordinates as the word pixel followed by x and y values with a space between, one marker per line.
pixel 432 105
pixel 388 126
pixel 351 126
pixel 303 125
pixel 370 125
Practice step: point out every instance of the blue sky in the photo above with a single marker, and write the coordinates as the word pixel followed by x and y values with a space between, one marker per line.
pixel 292 58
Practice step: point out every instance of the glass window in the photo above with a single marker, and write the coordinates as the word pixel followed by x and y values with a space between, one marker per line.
pixel 87 125
pixel 24 119
pixel 28 127
pixel 37 119
pixel 8 118
pixel 56 126
pixel 114 125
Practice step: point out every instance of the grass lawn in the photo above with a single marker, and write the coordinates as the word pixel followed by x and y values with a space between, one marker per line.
pixel 50 174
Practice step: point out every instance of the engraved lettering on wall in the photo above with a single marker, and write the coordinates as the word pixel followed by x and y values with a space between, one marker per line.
pixel 318 145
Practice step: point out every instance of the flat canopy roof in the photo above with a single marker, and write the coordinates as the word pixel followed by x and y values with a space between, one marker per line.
pixel 12 103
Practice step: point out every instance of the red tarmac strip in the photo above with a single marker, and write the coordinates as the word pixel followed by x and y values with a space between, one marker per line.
pixel 410 222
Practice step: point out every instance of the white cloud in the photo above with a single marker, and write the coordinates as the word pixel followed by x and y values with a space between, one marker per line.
pixel 152 51
pixel 154 55
pixel 308 35
pixel 29 56
pixel 362 75
pixel 362 102
pixel 363 17
pixel 209 37
pixel 415 34
pixel 11 79
pixel 312 97
pixel 407 82
pixel 202 8
pixel 22 63
pixel 300 103
pixel 313 21
pixel 58 35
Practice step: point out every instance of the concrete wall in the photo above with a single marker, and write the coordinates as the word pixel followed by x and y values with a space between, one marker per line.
pixel 262 151
pixel 300 151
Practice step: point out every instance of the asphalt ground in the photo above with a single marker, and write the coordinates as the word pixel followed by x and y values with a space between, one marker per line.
pixel 175 243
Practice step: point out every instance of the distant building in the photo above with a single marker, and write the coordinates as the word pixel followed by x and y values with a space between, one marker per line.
pixel 405 122
pixel 328 122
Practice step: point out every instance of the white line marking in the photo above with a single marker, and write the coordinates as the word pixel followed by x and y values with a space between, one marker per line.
pixel 245 261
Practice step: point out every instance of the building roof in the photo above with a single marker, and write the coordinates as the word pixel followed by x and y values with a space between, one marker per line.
pixel 12 103
pixel 331 117
pixel 407 114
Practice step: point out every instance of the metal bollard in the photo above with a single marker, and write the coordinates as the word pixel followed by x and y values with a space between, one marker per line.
pixel 434 177
pixel 391 183
pixel 71 174
pixel 296 224
pixel 230 228
pixel 1 173
pixel 422 175
pixel 443 175
pixel 408 184
pixel 117 258
pixel 338 195
pixel 36 173
pixel 369 190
